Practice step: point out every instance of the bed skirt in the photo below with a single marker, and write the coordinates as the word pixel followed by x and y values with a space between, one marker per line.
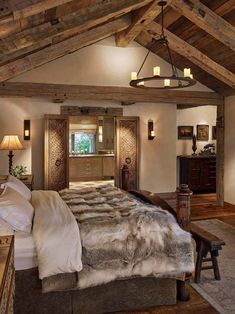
pixel 120 295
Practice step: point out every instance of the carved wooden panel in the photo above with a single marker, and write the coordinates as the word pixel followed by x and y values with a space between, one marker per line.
pixel 127 149
pixel 56 152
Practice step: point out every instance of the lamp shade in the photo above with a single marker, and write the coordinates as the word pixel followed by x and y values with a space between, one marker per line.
pixel 11 142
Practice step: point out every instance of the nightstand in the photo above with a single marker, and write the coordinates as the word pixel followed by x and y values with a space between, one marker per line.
pixel 7 274
pixel 26 179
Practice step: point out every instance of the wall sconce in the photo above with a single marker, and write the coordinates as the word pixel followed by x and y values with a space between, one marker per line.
pixel 151 133
pixel 26 130
pixel 100 131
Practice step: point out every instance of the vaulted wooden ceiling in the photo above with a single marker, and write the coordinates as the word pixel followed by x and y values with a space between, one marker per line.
pixel 201 34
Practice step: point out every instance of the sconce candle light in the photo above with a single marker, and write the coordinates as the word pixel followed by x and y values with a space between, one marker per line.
pixel 26 130
pixel 151 133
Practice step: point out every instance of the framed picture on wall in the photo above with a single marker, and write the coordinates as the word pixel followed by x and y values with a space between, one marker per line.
pixel 214 132
pixel 202 132
pixel 185 132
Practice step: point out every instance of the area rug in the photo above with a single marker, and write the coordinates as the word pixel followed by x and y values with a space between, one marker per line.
pixel 220 294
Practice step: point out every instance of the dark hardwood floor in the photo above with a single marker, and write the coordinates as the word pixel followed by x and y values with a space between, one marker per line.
pixel 203 206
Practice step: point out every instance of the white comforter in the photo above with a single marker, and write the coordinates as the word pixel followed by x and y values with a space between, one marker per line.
pixel 56 235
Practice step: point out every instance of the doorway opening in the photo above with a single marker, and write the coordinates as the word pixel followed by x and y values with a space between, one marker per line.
pixel 91 150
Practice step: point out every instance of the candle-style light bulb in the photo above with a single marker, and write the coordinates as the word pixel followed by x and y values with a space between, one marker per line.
pixel 133 76
pixel 191 76
pixel 156 71
pixel 167 82
pixel 141 83
pixel 187 72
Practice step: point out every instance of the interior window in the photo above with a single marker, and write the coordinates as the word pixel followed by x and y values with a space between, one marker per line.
pixel 81 142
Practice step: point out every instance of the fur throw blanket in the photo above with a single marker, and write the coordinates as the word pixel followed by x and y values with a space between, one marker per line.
pixel 123 237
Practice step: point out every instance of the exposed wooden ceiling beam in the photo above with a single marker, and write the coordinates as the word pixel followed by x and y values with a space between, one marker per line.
pixel 120 94
pixel 140 19
pixel 53 52
pixel 194 55
pixel 207 20
pixel 29 10
pixel 69 25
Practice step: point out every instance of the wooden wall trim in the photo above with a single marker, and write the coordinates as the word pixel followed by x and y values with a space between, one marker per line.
pixel 112 93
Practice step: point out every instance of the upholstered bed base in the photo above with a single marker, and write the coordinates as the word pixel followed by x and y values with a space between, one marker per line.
pixel 137 293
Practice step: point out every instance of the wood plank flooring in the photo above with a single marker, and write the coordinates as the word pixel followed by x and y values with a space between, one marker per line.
pixel 203 206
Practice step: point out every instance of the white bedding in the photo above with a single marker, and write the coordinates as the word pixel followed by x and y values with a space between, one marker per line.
pixel 56 235
pixel 25 254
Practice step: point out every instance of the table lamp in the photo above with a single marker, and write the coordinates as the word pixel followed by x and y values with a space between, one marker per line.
pixel 10 143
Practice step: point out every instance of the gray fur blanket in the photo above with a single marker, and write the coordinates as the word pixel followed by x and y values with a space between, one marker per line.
pixel 123 237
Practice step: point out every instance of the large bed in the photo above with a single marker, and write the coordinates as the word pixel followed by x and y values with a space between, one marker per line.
pixel 143 271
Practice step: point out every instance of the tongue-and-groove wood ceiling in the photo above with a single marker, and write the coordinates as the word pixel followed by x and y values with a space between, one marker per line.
pixel 201 34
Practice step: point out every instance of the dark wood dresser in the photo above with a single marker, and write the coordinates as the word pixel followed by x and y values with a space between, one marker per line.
pixel 7 274
pixel 199 172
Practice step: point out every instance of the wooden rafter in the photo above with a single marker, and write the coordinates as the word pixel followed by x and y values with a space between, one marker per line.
pixel 58 50
pixel 29 10
pixel 207 20
pixel 140 19
pixel 121 94
pixel 69 25
pixel 194 55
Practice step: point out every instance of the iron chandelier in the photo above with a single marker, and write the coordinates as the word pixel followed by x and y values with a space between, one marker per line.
pixel 162 82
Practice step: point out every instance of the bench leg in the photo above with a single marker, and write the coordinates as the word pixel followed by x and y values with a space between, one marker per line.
pixel 200 254
pixel 214 255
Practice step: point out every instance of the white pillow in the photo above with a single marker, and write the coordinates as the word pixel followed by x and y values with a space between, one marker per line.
pixel 18 186
pixel 5 228
pixel 16 210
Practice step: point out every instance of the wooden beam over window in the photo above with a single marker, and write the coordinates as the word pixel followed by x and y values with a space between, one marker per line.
pixel 60 49
pixel 207 20
pixel 194 55
pixel 140 19
pixel 110 93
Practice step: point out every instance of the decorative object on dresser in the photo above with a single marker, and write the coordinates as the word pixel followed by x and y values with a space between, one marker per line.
pixel 194 146
pixel 26 179
pixel 202 132
pixel 10 143
pixel 199 172
pixel 208 149
pixel 151 133
pixel 19 170
pixel 7 274
pixel 185 132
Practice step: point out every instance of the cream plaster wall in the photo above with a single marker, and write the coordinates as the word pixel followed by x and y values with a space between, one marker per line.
pixel 157 157
pixel 99 64
pixel 194 116
pixel 229 151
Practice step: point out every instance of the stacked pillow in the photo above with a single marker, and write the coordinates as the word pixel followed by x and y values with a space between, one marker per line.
pixel 15 206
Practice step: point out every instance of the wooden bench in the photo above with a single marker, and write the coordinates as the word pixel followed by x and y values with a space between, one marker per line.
pixel 206 242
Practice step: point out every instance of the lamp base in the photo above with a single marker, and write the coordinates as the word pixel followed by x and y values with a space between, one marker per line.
pixel 10 155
